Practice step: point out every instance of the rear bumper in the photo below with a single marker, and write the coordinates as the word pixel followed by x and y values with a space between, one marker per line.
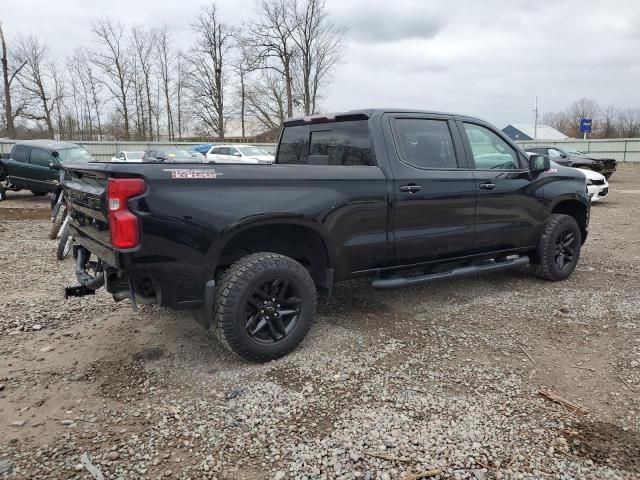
pixel 167 283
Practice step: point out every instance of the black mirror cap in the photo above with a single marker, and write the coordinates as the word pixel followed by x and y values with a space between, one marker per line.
pixel 55 166
pixel 539 163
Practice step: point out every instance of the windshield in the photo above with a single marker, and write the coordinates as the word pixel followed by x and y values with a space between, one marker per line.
pixel 252 151
pixel 75 154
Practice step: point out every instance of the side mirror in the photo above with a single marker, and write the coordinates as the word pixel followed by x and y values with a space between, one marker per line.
pixel 539 163
pixel 55 166
pixel 161 156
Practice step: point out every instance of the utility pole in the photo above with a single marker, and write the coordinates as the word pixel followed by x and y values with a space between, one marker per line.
pixel 535 119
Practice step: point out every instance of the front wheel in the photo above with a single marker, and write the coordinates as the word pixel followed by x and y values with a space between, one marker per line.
pixel 559 247
pixel 264 306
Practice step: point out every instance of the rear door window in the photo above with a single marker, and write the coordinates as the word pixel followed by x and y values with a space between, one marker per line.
pixel 40 157
pixel 19 153
pixel 337 143
pixel 425 143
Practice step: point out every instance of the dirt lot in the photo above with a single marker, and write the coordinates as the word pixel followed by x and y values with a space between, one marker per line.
pixel 387 385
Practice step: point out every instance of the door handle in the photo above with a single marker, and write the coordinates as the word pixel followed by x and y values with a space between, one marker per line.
pixel 487 185
pixel 411 188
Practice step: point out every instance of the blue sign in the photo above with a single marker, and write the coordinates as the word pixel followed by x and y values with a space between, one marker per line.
pixel 585 125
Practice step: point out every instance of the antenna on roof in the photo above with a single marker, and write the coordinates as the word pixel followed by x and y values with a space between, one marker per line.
pixel 535 119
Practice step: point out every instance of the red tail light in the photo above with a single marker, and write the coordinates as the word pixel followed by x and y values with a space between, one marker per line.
pixel 124 227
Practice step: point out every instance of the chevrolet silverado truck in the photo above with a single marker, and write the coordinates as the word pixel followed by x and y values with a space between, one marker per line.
pixel 402 197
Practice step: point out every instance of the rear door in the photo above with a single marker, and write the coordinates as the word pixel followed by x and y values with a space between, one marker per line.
pixel 42 176
pixel 434 190
pixel 17 166
pixel 509 210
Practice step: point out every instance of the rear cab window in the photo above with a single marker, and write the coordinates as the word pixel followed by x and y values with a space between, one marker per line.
pixel 346 143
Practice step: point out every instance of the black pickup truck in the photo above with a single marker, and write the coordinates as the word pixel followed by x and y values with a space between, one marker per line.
pixel 403 197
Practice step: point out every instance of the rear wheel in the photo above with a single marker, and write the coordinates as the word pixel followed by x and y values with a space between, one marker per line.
pixel 559 247
pixel 264 306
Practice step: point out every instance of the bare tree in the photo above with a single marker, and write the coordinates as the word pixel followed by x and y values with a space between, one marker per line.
pixel 266 98
pixel 8 76
pixel 166 59
pixel 179 91
pixel 59 93
pixel 243 65
pixel 320 44
pixel 582 108
pixel 113 61
pixel 207 61
pixel 144 44
pixel 629 122
pixel 607 122
pixel 271 40
pixel 558 120
pixel 81 94
pixel 35 79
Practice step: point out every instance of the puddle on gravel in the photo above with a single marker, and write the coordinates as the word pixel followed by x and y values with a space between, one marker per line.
pixel 24 213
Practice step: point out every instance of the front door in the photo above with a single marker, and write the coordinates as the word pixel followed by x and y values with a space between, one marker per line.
pixel 509 210
pixel 42 176
pixel 434 190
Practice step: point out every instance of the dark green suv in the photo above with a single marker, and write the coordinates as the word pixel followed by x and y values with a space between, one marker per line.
pixel 34 165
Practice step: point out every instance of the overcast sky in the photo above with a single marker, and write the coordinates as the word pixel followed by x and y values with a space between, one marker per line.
pixel 487 58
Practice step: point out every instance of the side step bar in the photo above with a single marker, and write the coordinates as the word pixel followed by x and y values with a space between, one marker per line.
pixel 469 271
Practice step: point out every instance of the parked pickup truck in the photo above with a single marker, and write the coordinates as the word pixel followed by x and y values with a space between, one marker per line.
pixel 402 197
pixel 34 165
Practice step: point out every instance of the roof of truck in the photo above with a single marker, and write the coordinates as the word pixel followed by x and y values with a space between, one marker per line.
pixel 361 114
pixel 52 145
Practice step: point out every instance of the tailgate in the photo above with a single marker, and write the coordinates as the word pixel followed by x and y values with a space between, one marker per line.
pixel 85 188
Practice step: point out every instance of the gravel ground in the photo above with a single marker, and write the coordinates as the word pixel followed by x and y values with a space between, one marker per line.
pixel 388 384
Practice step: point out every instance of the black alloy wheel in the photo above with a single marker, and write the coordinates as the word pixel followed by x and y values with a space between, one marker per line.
pixel 272 311
pixel 558 250
pixel 263 307
pixel 565 249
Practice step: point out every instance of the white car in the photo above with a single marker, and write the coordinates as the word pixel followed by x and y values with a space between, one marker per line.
pixel 238 154
pixel 135 157
pixel 597 185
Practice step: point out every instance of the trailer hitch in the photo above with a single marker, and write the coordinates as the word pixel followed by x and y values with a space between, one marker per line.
pixel 77 291
pixel 88 283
